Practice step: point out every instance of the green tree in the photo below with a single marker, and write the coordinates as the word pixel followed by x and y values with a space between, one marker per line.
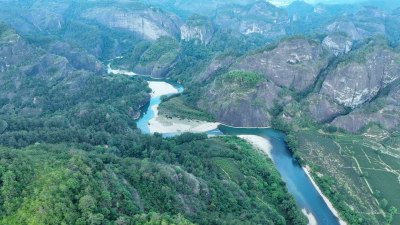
pixel 383 203
pixel 9 191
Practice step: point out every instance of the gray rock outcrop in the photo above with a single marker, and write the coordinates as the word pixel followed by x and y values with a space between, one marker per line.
pixel 197 27
pixel 148 22
pixel 323 110
pixel 355 123
pixel 338 44
pixel 293 63
pixel 249 109
pixel 359 78
pixel 260 18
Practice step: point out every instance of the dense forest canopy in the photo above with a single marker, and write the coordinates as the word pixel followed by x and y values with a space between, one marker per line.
pixel 324 72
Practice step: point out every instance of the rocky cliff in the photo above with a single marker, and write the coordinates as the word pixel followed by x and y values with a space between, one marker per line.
pixel 359 77
pixel 148 22
pixel 384 110
pixel 258 18
pixel 294 63
pixel 308 81
pixel 232 101
pixel 364 23
pixel 338 43
pixel 197 28
pixel 286 68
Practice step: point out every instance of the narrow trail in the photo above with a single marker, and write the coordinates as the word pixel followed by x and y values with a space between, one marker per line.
pixel 368 185
pixel 226 173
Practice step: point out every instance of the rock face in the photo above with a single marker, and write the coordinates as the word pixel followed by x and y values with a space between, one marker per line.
pixel 366 22
pixel 148 22
pixel 323 110
pixel 362 75
pixel 354 123
pixel 338 44
pixel 197 27
pixel 293 63
pixel 11 43
pixel 346 27
pixel 260 18
pixel 77 58
pixel 216 64
pixel 249 109
pixel 393 97
pixel 44 20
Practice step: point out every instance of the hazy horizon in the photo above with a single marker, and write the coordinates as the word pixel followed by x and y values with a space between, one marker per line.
pixel 287 2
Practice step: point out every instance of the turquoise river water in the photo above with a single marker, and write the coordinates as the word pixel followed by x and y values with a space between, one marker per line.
pixel 297 181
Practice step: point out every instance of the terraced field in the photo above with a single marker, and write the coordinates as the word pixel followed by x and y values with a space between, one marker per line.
pixel 363 169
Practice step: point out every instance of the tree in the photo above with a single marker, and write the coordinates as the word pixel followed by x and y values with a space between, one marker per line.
pixel 384 203
pixel 87 204
pixel 393 210
pixel 9 191
pixel 388 218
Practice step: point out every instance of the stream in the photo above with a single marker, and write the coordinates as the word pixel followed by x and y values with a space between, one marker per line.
pixel 298 183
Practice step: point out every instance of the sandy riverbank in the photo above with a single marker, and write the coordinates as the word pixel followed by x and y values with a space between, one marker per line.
pixel 165 125
pixel 259 142
pixel 117 71
pixel 326 200
pixel 160 88
pixel 311 217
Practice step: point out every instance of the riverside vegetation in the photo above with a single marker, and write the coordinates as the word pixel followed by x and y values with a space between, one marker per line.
pixel 57 101
pixel 71 154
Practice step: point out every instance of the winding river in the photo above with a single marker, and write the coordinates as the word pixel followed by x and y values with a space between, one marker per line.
pixel 299 184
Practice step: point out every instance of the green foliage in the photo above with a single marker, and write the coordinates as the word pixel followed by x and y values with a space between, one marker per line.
pixel 156 219
pixel 85 163
pixel 163 50
pixel 196 20
pixel 292 144
pixel 276 108
pixel 100 110
pixel 58 184
pixel 363 48
pixel 162 46
pixel 175 107
pixel 243 79
pixel 132 57
pixel 350 215
pixel 383 203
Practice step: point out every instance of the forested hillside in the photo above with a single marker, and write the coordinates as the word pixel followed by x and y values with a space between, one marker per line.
pixel 71 154
pixel 222 180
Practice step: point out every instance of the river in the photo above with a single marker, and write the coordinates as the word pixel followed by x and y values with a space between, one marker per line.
pixel 297 181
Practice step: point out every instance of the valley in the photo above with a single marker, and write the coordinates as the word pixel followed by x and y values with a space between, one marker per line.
pixel 200 112
pixel 314 204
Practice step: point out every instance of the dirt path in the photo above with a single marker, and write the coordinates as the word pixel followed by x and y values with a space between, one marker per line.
pixel 368 185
